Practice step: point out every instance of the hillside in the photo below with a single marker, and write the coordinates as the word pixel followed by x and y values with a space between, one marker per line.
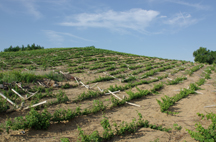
pixel 151 99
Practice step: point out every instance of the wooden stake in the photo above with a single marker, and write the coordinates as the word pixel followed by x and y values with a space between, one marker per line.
pixel 153 78
pixel 17 94
pixel 36 104
pixel 94 85
pixel 198 92
pixel 8 100
pixel 209 106
pixel 76 80
pixel 169 78
pixel 33 63
pixel 112 92
pixel 64 72
pixel 41 84
pixel 121 99
pixel 100 89
pixel 84 85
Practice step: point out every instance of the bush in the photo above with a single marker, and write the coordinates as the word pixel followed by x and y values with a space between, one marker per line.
pixel 18 76
pixel 3 105
pixel 33 120
pixel 202 134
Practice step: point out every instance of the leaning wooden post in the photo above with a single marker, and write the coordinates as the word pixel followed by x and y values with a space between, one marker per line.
pixel 112 92
pixel 76 80
pixel 17 94
pixel 100 89
pixel 31 95
pixel 121 99
pixel 209 106
pixel 36 104
pixel 84 85
pixel 8 100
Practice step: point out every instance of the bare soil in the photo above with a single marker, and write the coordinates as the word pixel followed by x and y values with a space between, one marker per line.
pixel 187 107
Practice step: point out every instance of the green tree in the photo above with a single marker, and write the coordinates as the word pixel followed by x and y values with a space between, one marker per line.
pixel 202 55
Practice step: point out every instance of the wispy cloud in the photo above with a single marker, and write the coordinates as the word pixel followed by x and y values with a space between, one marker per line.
pixel 134 19
pixel 53 36
pixel 59 37
pixel 181 20
pixel 194 5
pixel 32 8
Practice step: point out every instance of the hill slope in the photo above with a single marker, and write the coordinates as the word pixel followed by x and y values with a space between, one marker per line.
pixel 76 82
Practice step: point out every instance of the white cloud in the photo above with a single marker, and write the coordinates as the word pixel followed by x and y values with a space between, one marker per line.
pixel 181 20
pixel 134 19
pixel 163 16
pixel 59 37
pixel 195 5
pixel 31 8
pixel 53 36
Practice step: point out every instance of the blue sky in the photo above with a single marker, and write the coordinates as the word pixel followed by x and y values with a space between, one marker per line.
pixel 170 29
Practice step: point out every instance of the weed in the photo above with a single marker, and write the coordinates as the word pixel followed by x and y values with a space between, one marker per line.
pixel 200 82
pixel 204 134
pixel 33 120
pixel 100 79
pixel 54 76
pixel 18 76
pixel 117 102
pixel 176 81
pixel 89 94
pixel 66 86
pixel 61 97
pixel 157 88
pixel 176 127
pixel 64 140
pixel 137 95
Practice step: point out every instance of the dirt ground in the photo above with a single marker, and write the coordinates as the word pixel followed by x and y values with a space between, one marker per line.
pixel 186 118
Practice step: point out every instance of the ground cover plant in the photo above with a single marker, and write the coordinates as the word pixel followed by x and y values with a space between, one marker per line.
pixel 87 111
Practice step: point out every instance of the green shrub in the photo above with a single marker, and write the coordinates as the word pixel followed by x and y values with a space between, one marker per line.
pixel 66 86
pixel 137 95
pixel 200 82
pixel 157 88
pixel 34 120
pixel 205 134
pixel 64 140
pixel 54 76
pixel 3 105
pixel 61 97
pixel 18 76
pixel 176 81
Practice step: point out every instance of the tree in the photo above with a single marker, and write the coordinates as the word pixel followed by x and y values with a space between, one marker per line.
pixel 202 55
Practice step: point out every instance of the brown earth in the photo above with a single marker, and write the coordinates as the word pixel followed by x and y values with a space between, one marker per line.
pixel 187 107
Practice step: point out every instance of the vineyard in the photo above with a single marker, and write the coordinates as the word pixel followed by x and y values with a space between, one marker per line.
pixel 89 94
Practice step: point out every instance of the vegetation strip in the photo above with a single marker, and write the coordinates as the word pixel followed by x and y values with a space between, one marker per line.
pixel 120 130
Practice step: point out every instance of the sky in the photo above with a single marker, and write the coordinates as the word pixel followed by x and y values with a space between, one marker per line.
pixel 171 29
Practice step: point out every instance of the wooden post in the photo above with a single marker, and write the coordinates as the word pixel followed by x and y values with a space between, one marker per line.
pixel 209 106
pixel 121 99
pixel 198 92
pixel 41 84
pixel 17 94
pixel 8 100
pixel 94 85
pixel 64 72
pixel 169 78
pixel 112 92
pixel 84 85
pixel 36 104
pixel 76 80
pixel 100 89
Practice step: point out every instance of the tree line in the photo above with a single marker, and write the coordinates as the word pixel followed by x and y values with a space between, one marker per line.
pixel 23 48
pixel 202 55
